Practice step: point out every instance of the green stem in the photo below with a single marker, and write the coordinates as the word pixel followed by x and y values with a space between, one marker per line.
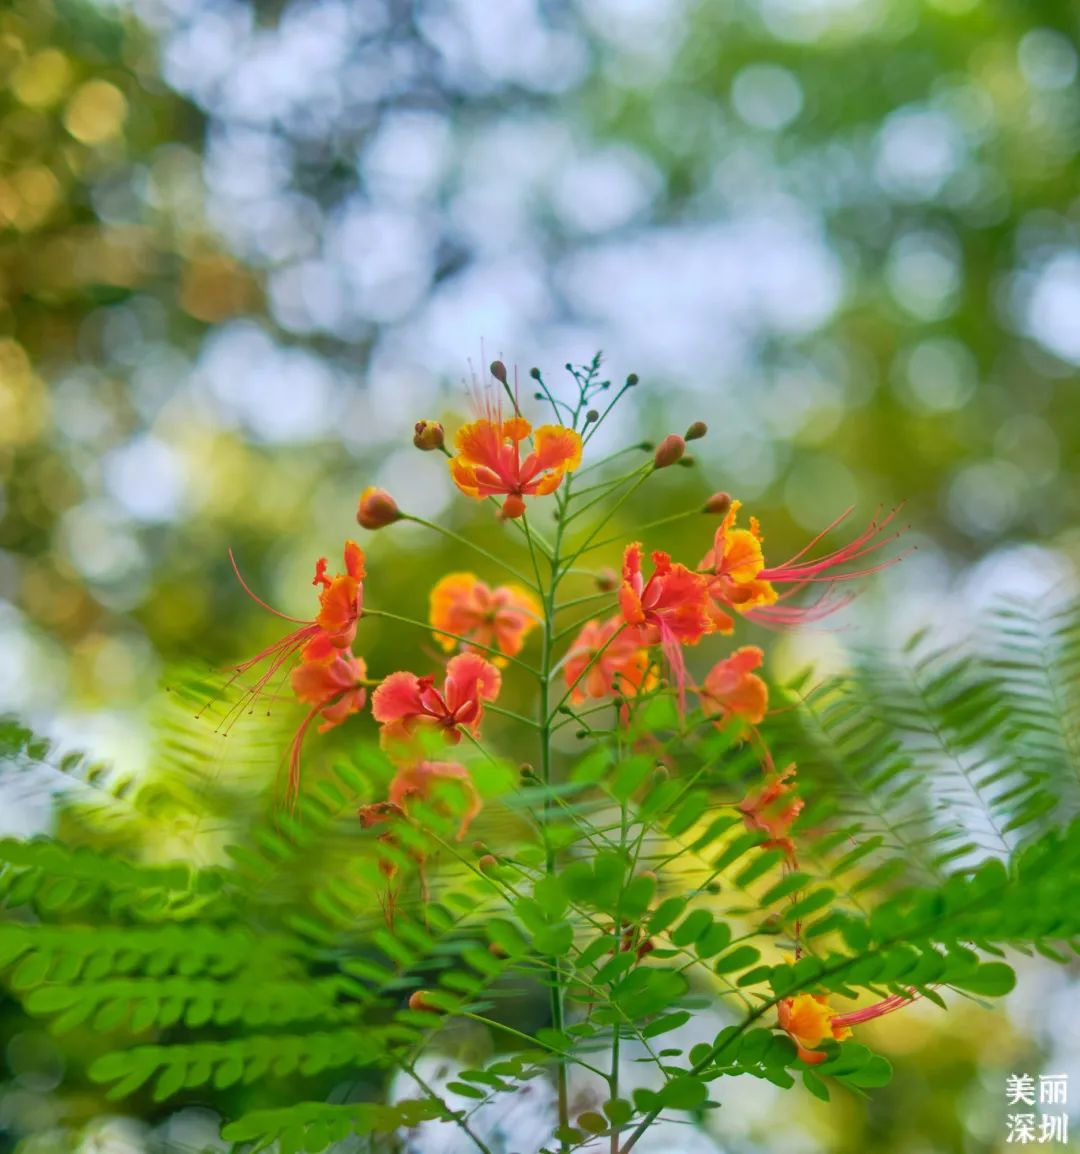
pixel 426 625
pixel 609 487
pixel 647 525
pixel 461 1123
pixel 545 720
pixel 460 540
pixel 586 544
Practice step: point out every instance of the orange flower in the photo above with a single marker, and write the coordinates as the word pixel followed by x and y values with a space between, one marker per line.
pixel 341 601
pixel 733 563
pixel 741 580
pixel 330 684
pixel 671 609
pixel 498 618
pixel 770 810
pixel 489 464
pixel 809 1021
pixel 405 703
pixel 732 689
pixel 418 779
pixel 605 659
pixel 331 681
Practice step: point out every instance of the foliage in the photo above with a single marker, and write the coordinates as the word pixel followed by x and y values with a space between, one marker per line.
pixel 940 832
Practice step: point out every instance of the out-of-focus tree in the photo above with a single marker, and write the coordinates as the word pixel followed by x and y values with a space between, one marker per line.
pixel 936 145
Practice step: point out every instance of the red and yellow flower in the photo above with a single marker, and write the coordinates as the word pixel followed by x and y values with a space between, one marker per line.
pixel 332 681
pixel 809 1021
pixel 407 705
pixel 328 677
pixel 773 808
pixel 733 564
pixel 499 618
pixel 732 690
pixel 341 599
pixel 670 609
pixel 489 462
pixel 607 658
pixel 739 579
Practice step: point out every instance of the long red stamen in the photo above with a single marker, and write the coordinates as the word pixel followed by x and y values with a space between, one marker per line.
pixel 877 1010
pixel 293 790
pixel 258 600
pixel 810 571
pixel 672 650
pixel 281 651
pixel 779 616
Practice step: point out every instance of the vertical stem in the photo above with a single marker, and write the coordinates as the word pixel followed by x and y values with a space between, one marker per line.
pixel 558 1018
pixel 613 1079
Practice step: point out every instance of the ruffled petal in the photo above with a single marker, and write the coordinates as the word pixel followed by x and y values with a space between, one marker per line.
pixel 556 447
pixel 397 697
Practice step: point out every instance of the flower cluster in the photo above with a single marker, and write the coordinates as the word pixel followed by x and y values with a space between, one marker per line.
pixel 656 608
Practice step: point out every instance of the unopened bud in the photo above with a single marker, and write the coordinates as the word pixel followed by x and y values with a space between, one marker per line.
pixel 488 862
pixel 418 1000
pixel 631 380
pixel 526 770
pixel 607 580
pixel 591 416
pixel 687 462
pixel 376 509
pixel 428 435
pixel 479 847
pixel 696 431
pixel 497 951
pixel 535 374
pixel 718 503
pixel 498 371
pixel 670 449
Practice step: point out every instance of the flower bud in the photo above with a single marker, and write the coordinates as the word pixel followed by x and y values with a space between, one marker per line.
pixel 631 380
pixel 696 431
pixel 377 509
pixel 487 863
pixel 418 1000
pixel 607 579
pixel 591 416
pixel 428 435
pixel 718 503
pixel 670 449
pixel 498 371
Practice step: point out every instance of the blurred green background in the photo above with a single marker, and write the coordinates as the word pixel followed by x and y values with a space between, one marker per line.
pixel 245 245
